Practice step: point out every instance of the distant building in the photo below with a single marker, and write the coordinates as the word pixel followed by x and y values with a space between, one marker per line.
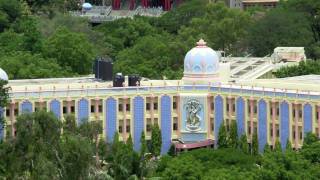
pixel 213 91
pixel 245 4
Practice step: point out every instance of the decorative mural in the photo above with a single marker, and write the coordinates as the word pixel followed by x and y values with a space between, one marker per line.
pixel 193 120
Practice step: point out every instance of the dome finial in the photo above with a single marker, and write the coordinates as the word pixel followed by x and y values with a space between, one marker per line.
pixel 201 43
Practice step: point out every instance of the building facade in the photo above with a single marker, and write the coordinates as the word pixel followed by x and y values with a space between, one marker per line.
pixel 189 112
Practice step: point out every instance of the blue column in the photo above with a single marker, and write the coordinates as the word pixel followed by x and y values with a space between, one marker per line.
pixel 26 107
pixel 138 117
pixel 307 118
pixel 263 127
pixel 83 111
pixel 218 116
pixel 1 124
pixel 55 107
pixel 284 123
pixel 111 118
pixel 165 123
pixel 240 108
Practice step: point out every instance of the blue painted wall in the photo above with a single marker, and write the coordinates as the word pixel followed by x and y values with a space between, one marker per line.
pixel 83 111
pixel 218 116
pixel 240 113
pixel 55 107
pixel 165 123
pixel 1 124
pixel 262 126
pixel 284 124
pixel 138 118
pixel 111 119
pixel 26 107
pixel 307 118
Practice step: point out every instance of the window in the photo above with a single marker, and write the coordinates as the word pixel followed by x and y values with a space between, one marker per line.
pixel 64 109
pixel 212 124
pixel 148 106
pixel 8 112
pixel 148 125
pixel 120 129
pixel 100 108
pixel 72 109
pixel 120 108
pixel 128 128
pixel 175 124
pixel 16 112
pixel 227 107
pixel 92 108
pixel 233 107
pixel 128 107
pixel 174 105
pixel 155 106
pixel 155 121
pixel 212 106
pixel 300 113
pixel 293 133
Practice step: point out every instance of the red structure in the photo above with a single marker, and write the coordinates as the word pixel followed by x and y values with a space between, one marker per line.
pixel 132 4
pixel 166 4
pixel 116 4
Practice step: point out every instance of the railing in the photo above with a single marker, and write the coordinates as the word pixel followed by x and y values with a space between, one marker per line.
pixel 217 88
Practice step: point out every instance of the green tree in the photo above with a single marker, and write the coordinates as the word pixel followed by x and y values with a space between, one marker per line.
pixel 71 50
pixel 233 135
pixel 288 146
pixel 75 157
pixel 181 168
pixel 266 148
pixel 243 144
pixel 70 125
pixel 143 144
pixel 4 93
pixel 277 146
pixel 222 137
pixel 24 65
pixel 10 11
pixel 130 143
pixel 115 143
pixel 254 144
pixel 155 63
pixel 310 138
pixel 277 25
pixel 156 140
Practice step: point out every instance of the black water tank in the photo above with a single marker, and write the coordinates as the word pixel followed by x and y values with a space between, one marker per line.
pixel 118 80
pixel 133 80
pixel 103 69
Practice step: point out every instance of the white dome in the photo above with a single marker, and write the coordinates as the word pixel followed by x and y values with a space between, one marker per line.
pixel 201 60
pixel 3 75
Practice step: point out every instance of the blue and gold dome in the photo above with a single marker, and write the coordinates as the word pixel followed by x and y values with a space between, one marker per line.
pixel 201 62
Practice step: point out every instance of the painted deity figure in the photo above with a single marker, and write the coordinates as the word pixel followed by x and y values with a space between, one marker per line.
pixel 193 119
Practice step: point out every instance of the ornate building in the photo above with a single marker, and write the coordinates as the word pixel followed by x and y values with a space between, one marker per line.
pixel 188 111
